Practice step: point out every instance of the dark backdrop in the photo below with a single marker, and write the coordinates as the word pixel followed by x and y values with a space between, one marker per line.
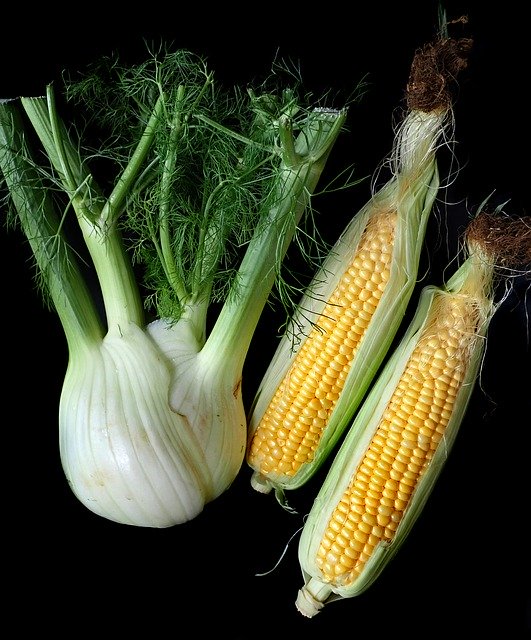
pixel 70 571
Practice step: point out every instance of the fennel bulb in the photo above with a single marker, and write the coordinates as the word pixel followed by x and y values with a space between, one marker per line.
pixel 210 189
pixel 127 455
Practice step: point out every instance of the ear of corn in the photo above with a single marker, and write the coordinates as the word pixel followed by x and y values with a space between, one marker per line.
pixel 399 441
pixel 347 319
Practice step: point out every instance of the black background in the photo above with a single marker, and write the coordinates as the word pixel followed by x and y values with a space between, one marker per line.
pixel 460 569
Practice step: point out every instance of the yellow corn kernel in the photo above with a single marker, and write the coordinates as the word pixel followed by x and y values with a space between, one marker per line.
pixel 306 398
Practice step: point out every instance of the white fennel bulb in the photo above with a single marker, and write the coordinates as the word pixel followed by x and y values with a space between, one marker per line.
pixel 126 455
pixel 211 188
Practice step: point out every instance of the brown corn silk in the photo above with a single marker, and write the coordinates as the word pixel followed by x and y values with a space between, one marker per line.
pixel 287 440
pixel 387 465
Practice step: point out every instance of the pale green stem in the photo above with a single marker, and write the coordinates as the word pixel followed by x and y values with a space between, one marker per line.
pixel 231 336
pixel 97 218
pixel 42 227
pixel 165 247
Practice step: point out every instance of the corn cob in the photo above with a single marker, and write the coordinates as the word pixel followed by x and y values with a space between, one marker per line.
pixel 355 303
pixel 399 441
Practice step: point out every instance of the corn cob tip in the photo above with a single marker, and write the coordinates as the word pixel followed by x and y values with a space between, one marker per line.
pixel 260 483
pixel 312 598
